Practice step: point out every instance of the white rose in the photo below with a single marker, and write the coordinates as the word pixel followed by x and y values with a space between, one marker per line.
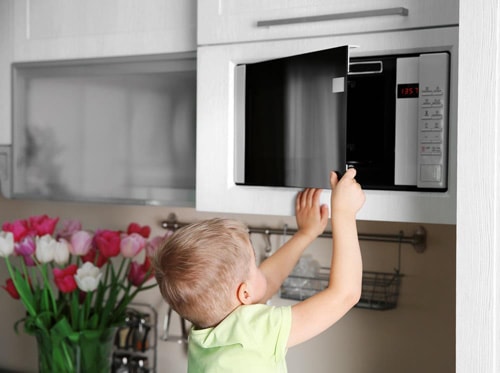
pixel 61 251
pixel 45 248
pixel 6 243
pixel 87 277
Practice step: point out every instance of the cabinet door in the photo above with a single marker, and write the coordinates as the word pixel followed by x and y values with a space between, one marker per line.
pixel 6 46
pixel 228 21
pixel 216 189
pixel 135 116
pixel 64 29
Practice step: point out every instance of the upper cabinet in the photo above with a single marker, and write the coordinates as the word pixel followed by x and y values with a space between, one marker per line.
pixel 231 21
pixel 65 29
pixel 89 86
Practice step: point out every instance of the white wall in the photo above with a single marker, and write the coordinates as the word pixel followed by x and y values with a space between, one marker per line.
pixel 418 336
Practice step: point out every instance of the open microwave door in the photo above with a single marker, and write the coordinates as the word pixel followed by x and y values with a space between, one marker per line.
pixel 291 119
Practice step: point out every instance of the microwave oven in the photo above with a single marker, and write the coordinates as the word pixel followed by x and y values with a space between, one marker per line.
pixel 300 116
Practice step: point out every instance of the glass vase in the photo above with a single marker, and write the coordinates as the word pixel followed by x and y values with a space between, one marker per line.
pixel 87 351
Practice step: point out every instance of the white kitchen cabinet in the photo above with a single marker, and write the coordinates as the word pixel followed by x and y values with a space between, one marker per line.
pixel 67 29
pixel 155 114
pixel 478 213
pixel 6 50
pixel 230 21
pixel 215 186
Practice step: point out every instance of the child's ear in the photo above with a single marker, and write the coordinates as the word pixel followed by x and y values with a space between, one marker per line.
pixel 243 293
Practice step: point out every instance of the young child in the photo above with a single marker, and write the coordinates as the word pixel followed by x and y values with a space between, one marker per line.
pixel 207 273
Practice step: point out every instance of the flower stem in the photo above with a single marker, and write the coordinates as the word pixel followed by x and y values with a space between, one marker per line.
pixel 45 277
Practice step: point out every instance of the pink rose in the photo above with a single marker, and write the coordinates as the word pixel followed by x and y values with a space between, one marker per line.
pixel 154 243
pixel 68 228
pixel 132 245
pixel 26 248
pixel 81 242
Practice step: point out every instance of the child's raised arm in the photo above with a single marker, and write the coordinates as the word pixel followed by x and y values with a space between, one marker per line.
pixel 315 314
pixel 311 221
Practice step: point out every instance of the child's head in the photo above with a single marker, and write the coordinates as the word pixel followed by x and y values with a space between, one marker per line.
pixel 200 267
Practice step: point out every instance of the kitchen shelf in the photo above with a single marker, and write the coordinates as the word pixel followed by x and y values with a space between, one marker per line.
pixel 380 290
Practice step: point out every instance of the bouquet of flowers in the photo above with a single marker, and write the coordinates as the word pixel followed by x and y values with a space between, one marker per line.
pixel 72 280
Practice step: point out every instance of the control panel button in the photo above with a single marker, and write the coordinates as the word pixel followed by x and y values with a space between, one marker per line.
pixel 437 91
pixel 426 103
pixel 427 91
pixel 437 103
pixel 431 137
pixel 432 125
pixel 430 172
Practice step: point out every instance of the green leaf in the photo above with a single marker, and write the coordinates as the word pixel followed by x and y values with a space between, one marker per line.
pixel 62 329
pixel 24 290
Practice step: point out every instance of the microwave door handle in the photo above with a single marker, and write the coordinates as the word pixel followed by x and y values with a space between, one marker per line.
pixel 398 11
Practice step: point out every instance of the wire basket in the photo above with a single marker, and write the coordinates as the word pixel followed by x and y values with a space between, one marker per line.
pixel 380 290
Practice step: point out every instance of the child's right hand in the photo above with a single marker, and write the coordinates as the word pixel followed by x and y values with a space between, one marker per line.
pixel 347 195
pixel 311 216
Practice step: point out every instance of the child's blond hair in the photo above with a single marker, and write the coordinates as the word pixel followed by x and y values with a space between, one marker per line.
pixel 199 268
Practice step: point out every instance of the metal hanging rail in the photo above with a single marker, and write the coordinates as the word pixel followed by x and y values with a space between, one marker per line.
pixel 418 240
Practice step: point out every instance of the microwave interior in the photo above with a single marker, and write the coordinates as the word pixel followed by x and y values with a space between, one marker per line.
pixel 299 117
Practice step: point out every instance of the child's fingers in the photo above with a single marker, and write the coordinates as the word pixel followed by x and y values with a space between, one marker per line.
pixel 315 196
pixel 333 179
pixel 308 197
pixel 350 174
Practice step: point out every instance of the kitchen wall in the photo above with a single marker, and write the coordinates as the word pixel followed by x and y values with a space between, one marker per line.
pixel 418 336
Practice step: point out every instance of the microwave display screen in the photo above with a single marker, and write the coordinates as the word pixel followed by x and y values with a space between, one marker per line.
pixel 408 90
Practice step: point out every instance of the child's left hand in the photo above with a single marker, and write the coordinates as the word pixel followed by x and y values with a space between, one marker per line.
pixel 311 217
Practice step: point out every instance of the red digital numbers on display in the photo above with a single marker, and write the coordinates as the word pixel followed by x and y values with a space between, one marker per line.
pixel 408 90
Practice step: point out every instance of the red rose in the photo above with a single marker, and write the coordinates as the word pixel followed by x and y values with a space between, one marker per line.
pixel 139 273
pixel 43 224
pixel 144 231
pixel 11 288
pixel 65 278
pixel 108 243
pixel 19 228
pixel 91 257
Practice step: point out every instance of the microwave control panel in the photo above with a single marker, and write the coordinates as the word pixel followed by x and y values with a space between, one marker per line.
pixel 433 120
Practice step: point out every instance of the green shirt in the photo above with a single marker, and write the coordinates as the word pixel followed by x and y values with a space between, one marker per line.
pixel 252 339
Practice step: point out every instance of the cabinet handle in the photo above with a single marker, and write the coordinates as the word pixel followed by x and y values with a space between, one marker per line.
pixel 399 11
